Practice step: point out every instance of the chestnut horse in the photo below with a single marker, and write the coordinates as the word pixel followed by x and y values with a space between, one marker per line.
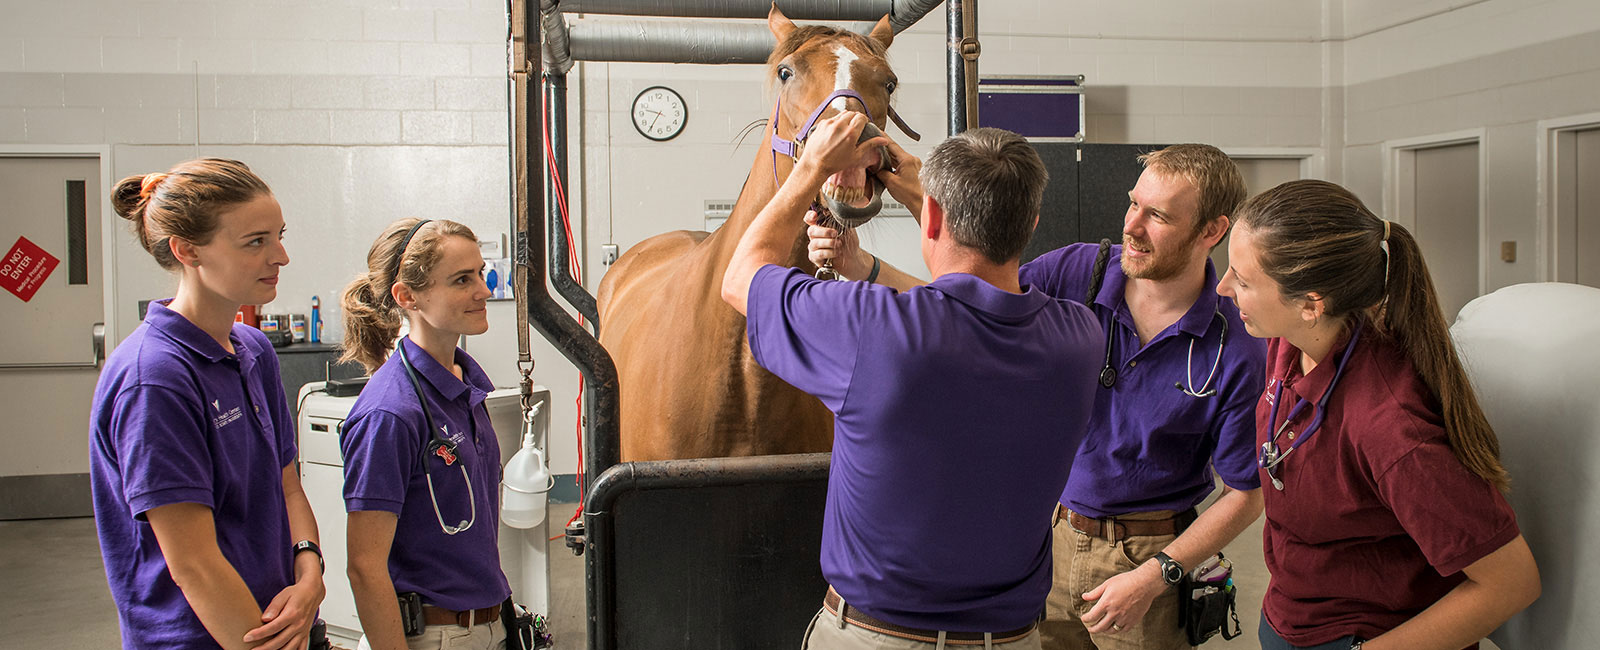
pixel 689 388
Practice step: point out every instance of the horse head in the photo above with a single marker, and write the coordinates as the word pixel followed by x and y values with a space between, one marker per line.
pixel 820 71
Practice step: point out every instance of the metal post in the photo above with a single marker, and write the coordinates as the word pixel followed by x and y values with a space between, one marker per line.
pixel 556 185
pixel 961 63
pixel 602 433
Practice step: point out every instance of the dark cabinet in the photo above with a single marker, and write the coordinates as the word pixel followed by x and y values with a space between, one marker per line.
pixel 1087 194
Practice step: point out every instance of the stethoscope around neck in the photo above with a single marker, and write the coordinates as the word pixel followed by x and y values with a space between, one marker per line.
pixel 446 451
pixel 1271 456
pixel 1108 374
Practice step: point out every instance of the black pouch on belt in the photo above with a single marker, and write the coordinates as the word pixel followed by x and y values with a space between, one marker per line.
pixel 411 613
pixel 1206 602
pixel 523 631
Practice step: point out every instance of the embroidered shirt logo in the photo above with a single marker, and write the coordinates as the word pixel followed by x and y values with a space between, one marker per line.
pixel 1269 395
pixel 224 418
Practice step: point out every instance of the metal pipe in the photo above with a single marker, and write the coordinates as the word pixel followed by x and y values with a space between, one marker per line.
pixel 694 42
pixel 602 434
pixel 659 41
pixel 571 288
pixel 556 48
pixel 836 10
pixel 961 64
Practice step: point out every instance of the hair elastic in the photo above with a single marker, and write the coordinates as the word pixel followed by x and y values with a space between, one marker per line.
pixel 400 255
pixel 147 186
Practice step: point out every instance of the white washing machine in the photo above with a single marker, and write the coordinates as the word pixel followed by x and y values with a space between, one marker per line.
pixel 523 552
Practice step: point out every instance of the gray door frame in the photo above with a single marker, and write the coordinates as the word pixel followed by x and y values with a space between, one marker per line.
pixel 108 218
pixel 1556 242
pixel 1400 180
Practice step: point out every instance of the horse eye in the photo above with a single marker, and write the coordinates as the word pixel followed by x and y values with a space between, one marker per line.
pixel 784 73
pixel 892 85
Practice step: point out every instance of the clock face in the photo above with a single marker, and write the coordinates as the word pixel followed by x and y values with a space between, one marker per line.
pixel 659 113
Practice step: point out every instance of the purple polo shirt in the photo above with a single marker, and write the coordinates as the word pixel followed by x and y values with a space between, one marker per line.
pixel 382 441
pixel 1151 446
pixel 956 405
pixel 177 419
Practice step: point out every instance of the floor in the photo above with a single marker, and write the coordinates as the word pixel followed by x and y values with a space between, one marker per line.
pixel 59 561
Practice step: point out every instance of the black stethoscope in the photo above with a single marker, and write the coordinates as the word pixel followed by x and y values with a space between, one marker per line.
pixel 1108 375
pixel 1270 456
pixel 440 446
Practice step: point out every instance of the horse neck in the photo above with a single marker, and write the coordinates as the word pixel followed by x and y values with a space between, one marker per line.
pixel 759 188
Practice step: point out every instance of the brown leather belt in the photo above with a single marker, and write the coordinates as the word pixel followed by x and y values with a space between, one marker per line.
pixel 1115 530
pixel 854 617
pixel 440 616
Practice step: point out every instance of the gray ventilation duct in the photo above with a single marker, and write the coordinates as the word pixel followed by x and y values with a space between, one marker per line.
pixel 694 42
pixel 670 42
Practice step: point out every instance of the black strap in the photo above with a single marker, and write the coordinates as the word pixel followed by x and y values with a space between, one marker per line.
pixel 1098 275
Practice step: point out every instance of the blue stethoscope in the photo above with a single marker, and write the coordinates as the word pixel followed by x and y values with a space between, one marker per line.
pixel 1108 375
pixel 440 446
pixel 1271 456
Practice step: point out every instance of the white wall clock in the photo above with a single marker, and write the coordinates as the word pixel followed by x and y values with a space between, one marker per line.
pixel 659 113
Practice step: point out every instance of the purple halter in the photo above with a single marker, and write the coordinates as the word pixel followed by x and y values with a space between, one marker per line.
pixel 792 148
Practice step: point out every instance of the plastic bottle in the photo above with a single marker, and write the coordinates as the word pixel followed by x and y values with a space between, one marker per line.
pixel 314 329
pixel 525 492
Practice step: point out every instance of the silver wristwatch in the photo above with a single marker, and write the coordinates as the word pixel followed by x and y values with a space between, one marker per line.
pixel 1356 644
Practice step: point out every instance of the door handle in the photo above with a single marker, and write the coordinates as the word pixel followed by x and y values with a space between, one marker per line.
pixel 97 341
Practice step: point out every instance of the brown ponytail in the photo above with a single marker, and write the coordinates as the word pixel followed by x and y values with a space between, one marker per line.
pixel 371 317
pixel 183 203
pixel 1317 237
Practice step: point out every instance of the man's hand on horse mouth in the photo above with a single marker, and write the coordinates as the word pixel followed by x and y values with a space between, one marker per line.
pixel 832 145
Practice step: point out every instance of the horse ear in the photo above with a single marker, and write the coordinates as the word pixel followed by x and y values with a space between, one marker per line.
pixel 883 32
pixel 780 24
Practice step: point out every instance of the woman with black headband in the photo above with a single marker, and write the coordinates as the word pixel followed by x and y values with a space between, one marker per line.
pixel 422 464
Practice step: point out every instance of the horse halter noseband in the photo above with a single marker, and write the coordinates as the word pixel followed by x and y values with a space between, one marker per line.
pixel 793 148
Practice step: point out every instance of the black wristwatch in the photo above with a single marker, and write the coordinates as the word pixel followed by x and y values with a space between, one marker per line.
pixel 1171 571
pixel 308 545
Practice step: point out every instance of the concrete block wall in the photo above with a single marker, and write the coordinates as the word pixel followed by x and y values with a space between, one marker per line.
pixel 1499 65
pixel 363 111
pixel 1243 74
pixel 356 112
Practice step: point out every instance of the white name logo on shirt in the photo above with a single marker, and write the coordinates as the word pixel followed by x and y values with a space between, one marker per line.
pixel 454 439
pixel 222 418
pixel 1269 395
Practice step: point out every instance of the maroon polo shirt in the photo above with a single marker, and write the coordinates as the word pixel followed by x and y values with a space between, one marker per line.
pixel 1377 517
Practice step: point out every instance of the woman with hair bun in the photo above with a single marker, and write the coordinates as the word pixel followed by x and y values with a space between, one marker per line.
pixel 422 463
pixel 1386 522
pixel 207 537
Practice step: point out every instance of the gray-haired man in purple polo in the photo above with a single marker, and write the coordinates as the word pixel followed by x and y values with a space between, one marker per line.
pixel 1178 386
pixel 954 403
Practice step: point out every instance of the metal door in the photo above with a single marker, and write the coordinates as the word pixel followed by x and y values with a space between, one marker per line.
pixel 1447 222
pixel 1587 207
pixel 47 348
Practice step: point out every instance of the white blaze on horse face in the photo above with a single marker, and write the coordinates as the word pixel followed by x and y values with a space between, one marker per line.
pixel 849 184
pixel 841 73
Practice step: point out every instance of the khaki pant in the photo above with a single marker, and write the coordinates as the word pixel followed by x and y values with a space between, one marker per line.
pixel 1081 563
pixel 827 632
pixel 483 636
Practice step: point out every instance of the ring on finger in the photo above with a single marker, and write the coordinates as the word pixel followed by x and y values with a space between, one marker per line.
pixel 1116 628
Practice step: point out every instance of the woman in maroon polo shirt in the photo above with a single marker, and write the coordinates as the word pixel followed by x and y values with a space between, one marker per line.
pixel 1386 526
